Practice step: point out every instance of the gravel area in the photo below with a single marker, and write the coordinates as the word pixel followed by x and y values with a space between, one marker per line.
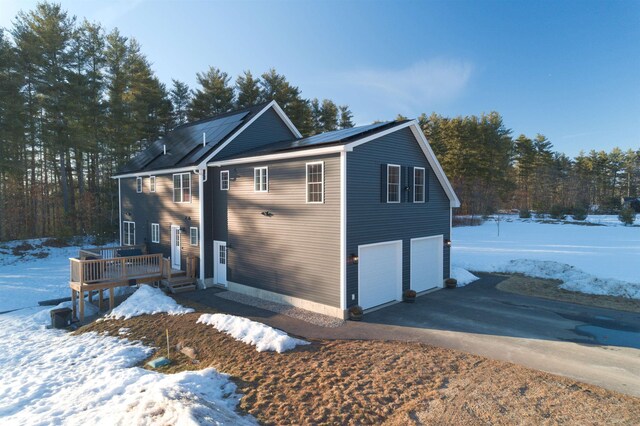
pixel 292 311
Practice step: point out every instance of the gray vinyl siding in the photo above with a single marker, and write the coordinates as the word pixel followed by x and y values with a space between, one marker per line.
pixel 216 211
pixel 158 207
pixel 369 220
pixel 295 252
pixel 268 128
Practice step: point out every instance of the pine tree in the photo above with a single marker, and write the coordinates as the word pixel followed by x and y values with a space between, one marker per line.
pixel 328 116
pixel 214 97
pixel 248 89
pixel 180 98
pixel 346 117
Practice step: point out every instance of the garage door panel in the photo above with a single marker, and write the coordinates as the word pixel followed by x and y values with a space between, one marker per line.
pixel 426 263
pixel 380 273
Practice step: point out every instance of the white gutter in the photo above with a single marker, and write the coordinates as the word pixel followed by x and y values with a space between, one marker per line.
pixel 156 172
pixel 282 156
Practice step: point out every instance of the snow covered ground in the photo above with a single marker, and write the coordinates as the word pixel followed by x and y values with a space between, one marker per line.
pixel 24 281
pixel 263 337
pixel 147 300
pixel 591 259
pixel 51 377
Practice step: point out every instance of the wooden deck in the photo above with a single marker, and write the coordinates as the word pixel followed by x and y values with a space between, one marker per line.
pixel 98 269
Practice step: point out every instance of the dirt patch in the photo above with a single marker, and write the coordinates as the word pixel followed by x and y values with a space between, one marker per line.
pixel 55 242
pixel 22 248
pixel 550 289
pixel 375 382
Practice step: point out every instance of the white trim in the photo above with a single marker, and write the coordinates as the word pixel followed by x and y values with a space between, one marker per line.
pixel 260 182
pixel 450 226
pixel 194 228
pixel 157 226
pixel 155 172
pixel 120 211
pixel 134 232
pixel 173 189
pixel 271 104
pixel 283 156
pixel 289 300
pixel 398 259
pixel 176 238
pixel 343 230
pixel 306 169
pixel 221 180
pixel 399 183
pixel 426 149
pixel 152 179
pixel 202 217
pixel 424 185
pixel 139 184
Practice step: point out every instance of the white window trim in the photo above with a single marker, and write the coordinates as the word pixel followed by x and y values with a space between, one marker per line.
pixel 181 188
pixel 424 185
pixel 306 168
pixel 226 172
pixel 156 233
pixel 125 234
pixel 152 184
pixel 139 184
pixel 191 229
pixel 266 179
pixel 399 183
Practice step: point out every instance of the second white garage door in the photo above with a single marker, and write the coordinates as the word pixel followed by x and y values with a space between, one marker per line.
pixel 426 263
pixel 379 273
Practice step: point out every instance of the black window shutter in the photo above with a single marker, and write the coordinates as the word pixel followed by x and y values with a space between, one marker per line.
pixel 383 183
pixel 426 184
pixel 410 183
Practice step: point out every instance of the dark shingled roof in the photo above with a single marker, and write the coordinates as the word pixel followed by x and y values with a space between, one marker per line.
pixel 336 137
pixel 184 143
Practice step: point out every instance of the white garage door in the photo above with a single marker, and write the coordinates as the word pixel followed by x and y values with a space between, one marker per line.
pixel 379 273
pixel 426 263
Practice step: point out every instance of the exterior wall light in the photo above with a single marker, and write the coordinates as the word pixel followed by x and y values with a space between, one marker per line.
pixel 267 213
pixel 353 259
pixel 447 243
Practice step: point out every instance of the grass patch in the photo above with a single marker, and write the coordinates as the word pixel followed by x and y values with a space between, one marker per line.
pixel 550 289
pixel 377 382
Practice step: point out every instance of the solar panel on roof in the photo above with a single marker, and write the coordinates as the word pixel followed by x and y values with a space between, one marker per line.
pixel 336 135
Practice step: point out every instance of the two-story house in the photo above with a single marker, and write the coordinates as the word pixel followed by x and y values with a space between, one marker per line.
pixel 348 217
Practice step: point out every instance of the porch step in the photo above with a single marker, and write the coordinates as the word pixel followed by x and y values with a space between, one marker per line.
pixel 179 285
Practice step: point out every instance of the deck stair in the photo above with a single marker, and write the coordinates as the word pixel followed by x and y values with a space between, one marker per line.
pixel 182 281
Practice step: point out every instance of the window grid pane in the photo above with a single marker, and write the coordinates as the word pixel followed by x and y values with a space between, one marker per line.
pixel 315 190
pixel 418 185
pixel 224 180
pixel 393 184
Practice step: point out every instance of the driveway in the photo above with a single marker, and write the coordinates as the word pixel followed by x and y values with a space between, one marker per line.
pixel 592 345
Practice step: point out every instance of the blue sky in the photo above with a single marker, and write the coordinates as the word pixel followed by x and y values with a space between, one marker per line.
pixel 569 70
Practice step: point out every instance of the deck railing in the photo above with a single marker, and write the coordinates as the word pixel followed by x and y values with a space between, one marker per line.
pixel 115 269
pixel 108 252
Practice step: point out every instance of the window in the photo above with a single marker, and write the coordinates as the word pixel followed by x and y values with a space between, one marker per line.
pixel 182 188
pixel 138 184
pixel 224 180
pixel 260 179
pixel 222 255
pixel 193 236
pixel 418 185
pixel 129 233
pixel 155 232
pixel 315 182
pixel 152 184
pixel 393 183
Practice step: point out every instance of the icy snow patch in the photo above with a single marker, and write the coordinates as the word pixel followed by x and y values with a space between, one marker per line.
pixel 463 276
pixel 263 337
pixel 147 300
pixel 573 279
pixel 52 377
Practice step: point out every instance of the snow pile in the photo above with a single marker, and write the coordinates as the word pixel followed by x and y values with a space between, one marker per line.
pixel 463 276
pixel 51 377
pixel 591 259
pixel 573 279
pixel 263 337
pixel 147 300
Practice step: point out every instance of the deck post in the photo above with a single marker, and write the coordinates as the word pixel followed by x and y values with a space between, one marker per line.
pixel 111 298
pixel 74 310
pixel 81 295
pixel 100 299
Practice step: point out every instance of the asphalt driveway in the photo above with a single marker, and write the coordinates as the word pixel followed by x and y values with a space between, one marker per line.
pixel 593 345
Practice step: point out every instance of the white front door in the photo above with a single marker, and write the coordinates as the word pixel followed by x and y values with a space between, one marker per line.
pixel 379 273
pixel 220 262
pixel 426 263
pixel 175 247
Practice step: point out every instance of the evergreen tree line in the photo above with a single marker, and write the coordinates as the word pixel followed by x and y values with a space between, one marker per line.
pixel 77 102
pixel 490 170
